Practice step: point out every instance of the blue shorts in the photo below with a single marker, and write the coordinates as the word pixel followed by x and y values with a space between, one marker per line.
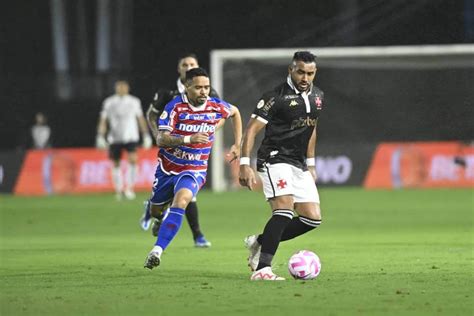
pixel 166 185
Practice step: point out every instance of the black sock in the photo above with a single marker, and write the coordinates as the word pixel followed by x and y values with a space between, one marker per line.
pixel 272 234
pixel 299 226
pixel 193 219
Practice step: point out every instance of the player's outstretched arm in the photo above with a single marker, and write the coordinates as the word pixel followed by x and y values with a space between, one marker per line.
pixel 237 129
pixel 247 176
pixel 310 154
pixel 147 142
pixel 151 117
pixel 164 139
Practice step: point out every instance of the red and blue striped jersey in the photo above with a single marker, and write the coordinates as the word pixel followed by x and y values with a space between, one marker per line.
pixel 181 118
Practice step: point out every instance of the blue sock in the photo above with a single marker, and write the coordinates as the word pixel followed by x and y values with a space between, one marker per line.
pixel 169 227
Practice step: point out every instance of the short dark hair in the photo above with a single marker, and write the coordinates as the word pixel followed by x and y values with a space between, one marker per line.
pixel 304 56
pixel 195 72
pixel 186 55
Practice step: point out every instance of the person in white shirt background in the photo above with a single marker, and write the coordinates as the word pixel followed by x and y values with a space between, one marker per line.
pixel 41 132
pixel 120 121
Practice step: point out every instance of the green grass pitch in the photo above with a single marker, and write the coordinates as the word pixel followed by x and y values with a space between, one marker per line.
pixel 407 252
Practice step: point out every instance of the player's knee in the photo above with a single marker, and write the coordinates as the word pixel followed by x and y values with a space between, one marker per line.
pixel 182 198
pixel 310 211
pixel 282 202
pixel 314 217
pixel 316 213
pixel 181 202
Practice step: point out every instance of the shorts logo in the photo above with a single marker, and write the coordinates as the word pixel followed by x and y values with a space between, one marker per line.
pixel 281 184
pixel 164 115
pixel 202 128
pixel 260 104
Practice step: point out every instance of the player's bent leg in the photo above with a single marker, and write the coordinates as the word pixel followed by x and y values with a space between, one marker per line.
pixel 169 228
pixel 184 190
pixel 152 214
pixel 158 213
pixel 308 209
pixel 309 218
pixel 145 220
pixel 282 214
pixel 254 247
pixel 162 194
pixel 306 205
pixel 192 216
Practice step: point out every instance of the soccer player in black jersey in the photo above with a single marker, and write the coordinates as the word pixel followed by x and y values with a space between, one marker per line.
pixel 161 98
pixel 285 161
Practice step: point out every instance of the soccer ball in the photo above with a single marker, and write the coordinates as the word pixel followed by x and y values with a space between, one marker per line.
pixel 304 265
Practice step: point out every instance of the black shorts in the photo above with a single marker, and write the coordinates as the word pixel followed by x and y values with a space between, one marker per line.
pixel 115 150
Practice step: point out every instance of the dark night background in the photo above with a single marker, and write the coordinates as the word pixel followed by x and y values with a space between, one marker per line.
pixel 147 37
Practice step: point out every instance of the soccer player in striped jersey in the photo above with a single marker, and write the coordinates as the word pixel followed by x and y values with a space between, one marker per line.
pixel 185 137
pixel 161 98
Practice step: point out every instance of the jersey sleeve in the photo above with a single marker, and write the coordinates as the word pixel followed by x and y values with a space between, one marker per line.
pixel 138 108
pixel 105 109
pixel 167 119
pixel 265 108
pixel 226 109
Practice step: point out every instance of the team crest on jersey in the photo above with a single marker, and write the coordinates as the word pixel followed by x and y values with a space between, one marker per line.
pixel 293 103
pixel 319 103
pixel 164 115
pixel 260 104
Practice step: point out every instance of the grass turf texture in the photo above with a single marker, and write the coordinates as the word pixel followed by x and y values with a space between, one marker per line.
pixel 382 252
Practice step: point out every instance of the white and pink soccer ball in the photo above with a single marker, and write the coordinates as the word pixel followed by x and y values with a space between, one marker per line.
pixel 304 265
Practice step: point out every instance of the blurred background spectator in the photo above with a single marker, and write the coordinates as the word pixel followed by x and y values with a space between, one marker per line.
pixel 41 132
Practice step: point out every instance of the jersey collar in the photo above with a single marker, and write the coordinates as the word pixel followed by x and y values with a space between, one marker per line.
pixel 180 85
pixel 185 99
pixel 292 86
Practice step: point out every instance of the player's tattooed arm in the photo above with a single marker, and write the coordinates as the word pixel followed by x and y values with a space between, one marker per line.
pixel 164 139
pixel 151 117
